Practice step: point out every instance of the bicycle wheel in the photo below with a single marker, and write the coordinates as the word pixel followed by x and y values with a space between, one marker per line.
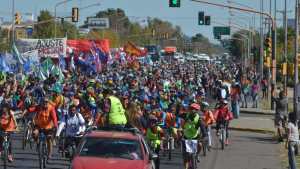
pixel 5 156
pixel 25 136
pixel 222 139
pixel 170 148
pixel 193 162
pixel 41 155
pixel 44 154
pixel 204 146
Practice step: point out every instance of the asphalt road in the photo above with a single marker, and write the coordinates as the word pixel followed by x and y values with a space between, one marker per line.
pixel 246 151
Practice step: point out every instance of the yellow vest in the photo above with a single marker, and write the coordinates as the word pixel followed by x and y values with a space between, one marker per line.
pixel 189 129
pixel 117 113
pixel 153 138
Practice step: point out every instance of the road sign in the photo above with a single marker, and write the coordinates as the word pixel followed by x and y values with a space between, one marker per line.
pixel 221 30
pixel 98 23
pixel 174 3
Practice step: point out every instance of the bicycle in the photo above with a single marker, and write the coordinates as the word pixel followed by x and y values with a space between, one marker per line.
pixel 71 147
pixel 190 151
pixel 222 134
pixel 42 149
pixel 5 146
pixel 168 143
pixel 155 148
pixel 27 135
pixel 204 144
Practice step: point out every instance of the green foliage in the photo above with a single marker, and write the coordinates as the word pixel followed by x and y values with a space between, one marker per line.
pixel 4 41
pixel 46 27
pixel 122 30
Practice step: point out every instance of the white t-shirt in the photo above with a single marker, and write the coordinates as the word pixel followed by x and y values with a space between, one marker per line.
pixel 294 133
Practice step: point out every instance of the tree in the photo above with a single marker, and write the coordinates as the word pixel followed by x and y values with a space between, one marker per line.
pixel 4 41
pixel 45 29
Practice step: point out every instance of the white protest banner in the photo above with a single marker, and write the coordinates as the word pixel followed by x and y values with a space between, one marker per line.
pixel 45 47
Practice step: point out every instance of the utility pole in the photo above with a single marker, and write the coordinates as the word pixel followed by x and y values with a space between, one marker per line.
pixel 261 58
pixel 296 80
pixel 284 14
pixel 13 23
pixel 274 66
pixel 273 32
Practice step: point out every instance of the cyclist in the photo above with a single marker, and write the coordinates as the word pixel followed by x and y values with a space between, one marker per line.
pixel 154 135
pixel 208 119
pixel 223 115
pixel 113 107
pixel 46 120
pixel 192 124
pixel 8 124
pixel 74 125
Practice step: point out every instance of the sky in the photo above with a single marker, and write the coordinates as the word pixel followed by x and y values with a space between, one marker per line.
pixel 138 10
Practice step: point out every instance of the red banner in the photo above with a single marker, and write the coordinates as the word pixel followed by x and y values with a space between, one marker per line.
pixel 83 45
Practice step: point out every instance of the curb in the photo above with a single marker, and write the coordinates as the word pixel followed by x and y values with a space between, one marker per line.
pixel 252 130
pixel 257 113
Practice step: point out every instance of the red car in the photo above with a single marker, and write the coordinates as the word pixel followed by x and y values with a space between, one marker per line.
pixel 102 149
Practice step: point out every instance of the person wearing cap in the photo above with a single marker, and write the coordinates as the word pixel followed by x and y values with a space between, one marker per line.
pixel 223 115
pixel 114 110
pixel 208 119
pixel 191 126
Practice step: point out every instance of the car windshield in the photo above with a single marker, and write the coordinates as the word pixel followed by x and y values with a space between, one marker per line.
pixel 112 148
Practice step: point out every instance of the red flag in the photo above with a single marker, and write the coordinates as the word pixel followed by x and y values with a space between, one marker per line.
pixel 131 50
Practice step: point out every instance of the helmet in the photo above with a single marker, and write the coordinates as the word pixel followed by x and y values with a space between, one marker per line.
pixel 225 102
pixel 152 119
pixel 195 106
pixel 205 104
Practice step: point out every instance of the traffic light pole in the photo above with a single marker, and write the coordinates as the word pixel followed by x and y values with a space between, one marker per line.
pixel 296 80
pixel 273 85
pixel 13 23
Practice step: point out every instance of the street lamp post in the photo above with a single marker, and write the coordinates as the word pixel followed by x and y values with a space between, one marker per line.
pixel 13 22
pixel 56 5
pixel 273 38
pixel 296 80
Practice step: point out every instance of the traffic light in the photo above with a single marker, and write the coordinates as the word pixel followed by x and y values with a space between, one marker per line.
pixel 174 3
pixel 268 51
pixel 153 32
pixel 207 20
pixel 201 18
pixel 75 14
pixel 17 18
pixel 268 46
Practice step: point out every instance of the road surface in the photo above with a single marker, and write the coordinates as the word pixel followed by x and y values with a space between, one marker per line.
pixel 246 151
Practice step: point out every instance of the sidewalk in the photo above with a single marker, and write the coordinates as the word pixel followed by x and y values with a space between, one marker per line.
pixel 255 124
pixel 257 111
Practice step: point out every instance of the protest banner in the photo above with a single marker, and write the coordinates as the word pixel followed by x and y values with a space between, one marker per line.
pixel 52 48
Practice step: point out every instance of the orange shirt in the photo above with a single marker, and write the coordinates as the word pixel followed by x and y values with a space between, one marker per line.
pixel 170 120
pixel 208 118
pixel 45 118
pixel 7 122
